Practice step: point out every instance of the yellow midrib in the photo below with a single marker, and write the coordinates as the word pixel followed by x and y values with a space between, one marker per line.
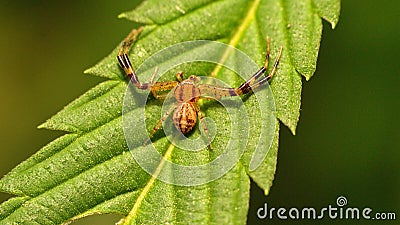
pixel 238 34
pixel 233 42
pixel 146 189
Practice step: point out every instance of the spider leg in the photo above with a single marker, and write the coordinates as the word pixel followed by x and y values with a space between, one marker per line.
pixel 162 86
pixel 246 85
pixel 179 76
pixel 267 53
pixel 153 75
pixel 159 123
pixel 271 74
pixel 126 64
pixel 132 36
pixel 217 92
pixel 203 123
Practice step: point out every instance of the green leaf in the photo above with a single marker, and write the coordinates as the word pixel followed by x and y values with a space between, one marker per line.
pixel 91 170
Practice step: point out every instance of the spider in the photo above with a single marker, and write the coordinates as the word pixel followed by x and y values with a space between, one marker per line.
pixel 187 92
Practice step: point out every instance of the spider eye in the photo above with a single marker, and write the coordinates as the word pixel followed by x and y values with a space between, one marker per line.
pixel 194 78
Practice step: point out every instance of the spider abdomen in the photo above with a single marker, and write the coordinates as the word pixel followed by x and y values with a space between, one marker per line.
pixel 185 117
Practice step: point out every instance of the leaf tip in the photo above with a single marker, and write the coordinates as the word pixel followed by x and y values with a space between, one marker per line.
pixel 334 23
pixel 47 125
pixel 54 123
pixel 92 71
pixel 291 124
pixel 122 16
pixel 334 20
pixel 293 129
pixel 42 126
pixel 88 71
pixel 7 185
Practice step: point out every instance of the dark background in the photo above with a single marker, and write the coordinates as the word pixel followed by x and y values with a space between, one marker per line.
pixel 347 140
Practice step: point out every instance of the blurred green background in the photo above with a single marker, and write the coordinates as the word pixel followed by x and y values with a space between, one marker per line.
pixel 347 140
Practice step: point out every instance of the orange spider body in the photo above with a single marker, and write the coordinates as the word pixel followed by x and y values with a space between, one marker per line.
pixel 185 114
